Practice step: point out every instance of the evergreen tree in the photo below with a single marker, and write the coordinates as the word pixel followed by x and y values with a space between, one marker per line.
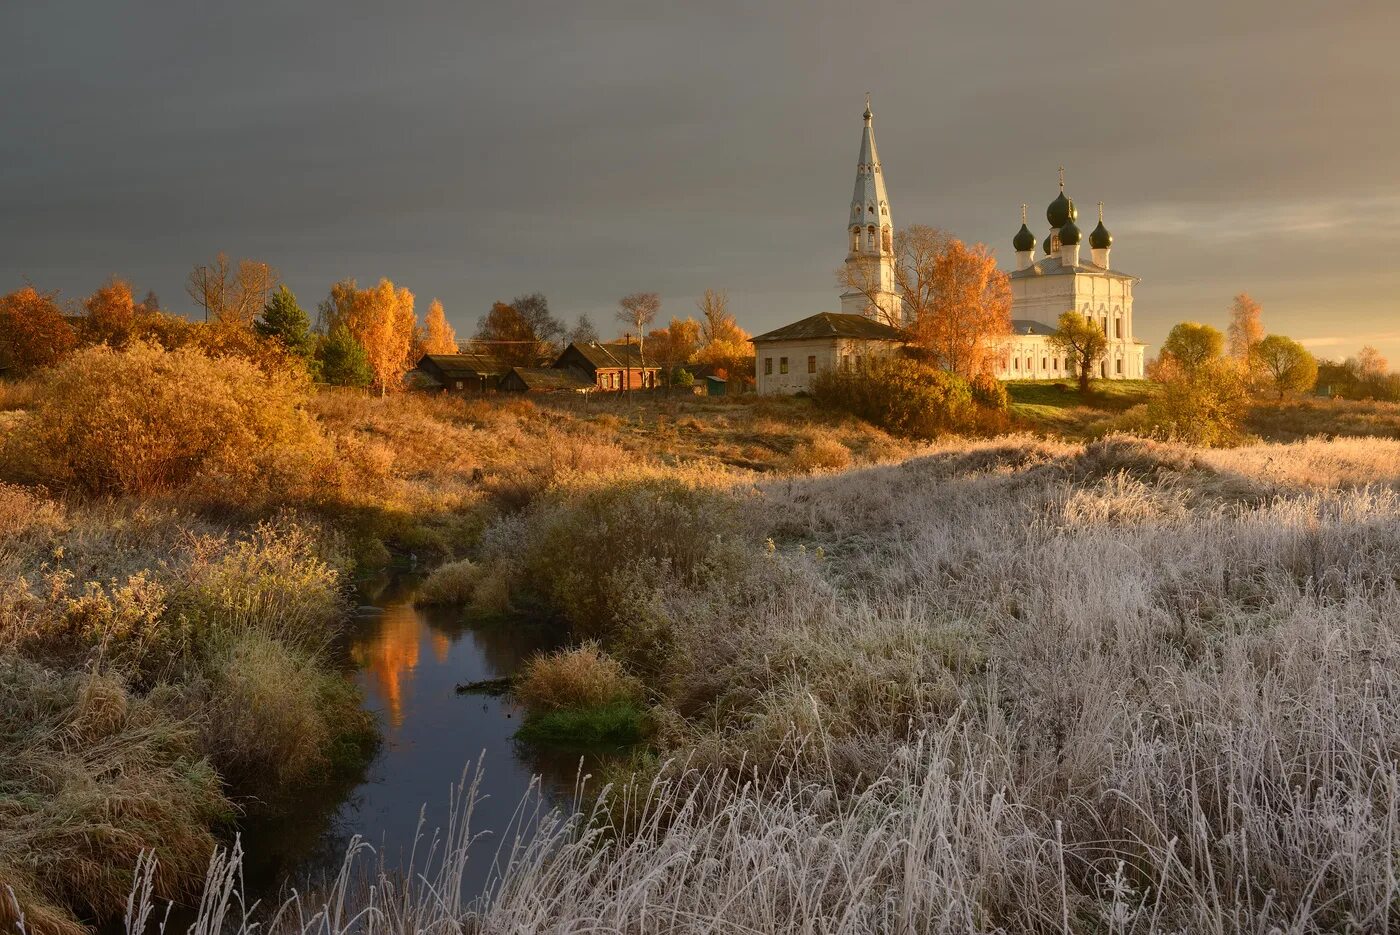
pixel 284 321
pixel 342 359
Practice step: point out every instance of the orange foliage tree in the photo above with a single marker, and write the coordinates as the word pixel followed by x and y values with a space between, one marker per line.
pixel 382 320
pixel 111 315
pixel 232 293
pixel 438 338
pixel 33 331
pixel 723 344
pixel 962 303
pixel 1246 329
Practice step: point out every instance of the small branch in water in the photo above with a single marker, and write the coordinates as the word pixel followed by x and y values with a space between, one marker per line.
pixel 493 687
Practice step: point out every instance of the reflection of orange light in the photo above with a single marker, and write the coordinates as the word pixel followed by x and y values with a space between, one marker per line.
pixel 441 644
pixel 391 654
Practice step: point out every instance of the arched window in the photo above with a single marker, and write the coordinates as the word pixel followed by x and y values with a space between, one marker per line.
pixel 855 239
pixel 870 238
pixel 888 241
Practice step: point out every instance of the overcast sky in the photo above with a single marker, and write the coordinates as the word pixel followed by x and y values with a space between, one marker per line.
pixel 477 151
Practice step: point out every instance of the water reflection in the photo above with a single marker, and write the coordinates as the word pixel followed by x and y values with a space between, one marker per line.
pixel 408 662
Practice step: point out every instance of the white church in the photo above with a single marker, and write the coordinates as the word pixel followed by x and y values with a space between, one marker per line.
pixel 789 358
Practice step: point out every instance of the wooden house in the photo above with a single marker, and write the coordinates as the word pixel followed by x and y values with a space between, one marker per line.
pixel 545 380
pixel 457 373
pixel 612 367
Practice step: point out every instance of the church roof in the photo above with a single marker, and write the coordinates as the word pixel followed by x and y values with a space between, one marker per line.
pixel 833 325
pixel 1030 326
pixel 1052 266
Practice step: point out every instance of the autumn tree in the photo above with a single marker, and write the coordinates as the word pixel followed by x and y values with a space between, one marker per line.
pixel 284 321
pixel 1370 363
pixel 438 336
pixel 583 331
pixel 33 331
pixel 1081 341
pixel 673 346
pixel 956 300
pixel 382 320
pixel 514 336
pixel 1191 345
pixel 723 344
pixel 232 293
pixel 110 315
pixel 963 307
pixel 1286 364
pixel 1246 329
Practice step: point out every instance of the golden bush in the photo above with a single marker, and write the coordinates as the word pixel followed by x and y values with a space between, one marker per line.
pixel 146 420
pixel 583 677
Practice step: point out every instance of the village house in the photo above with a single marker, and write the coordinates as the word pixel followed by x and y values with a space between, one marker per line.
pixel 790 357
pixel 545 380
pixel 614 366
pixel 457 373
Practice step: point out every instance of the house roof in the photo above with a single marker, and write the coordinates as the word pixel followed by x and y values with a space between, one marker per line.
pixel 550 378
pixel 458 366
pixel 833 325
pixel 612 354
pixel 1053 266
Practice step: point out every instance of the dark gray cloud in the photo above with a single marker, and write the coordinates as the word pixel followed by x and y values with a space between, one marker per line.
pixel 587 150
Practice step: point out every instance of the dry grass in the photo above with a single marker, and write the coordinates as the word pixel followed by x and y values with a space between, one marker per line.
pixel 450 583
pixel 582 677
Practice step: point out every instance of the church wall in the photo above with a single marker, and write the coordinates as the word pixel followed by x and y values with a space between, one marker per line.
pixel 1100 299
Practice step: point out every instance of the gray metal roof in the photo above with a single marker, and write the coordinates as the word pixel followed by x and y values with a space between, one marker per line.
pixel 1052 266
pixel 1030 326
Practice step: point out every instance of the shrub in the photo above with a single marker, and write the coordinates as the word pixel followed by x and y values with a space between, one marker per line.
pixel 145 420
pixel 618 723
pixel 821 453
pixel 91 777
pixel 451 583
pixel 989 392
pixel 1205 406
pixel 270 717
pixel 902 396
pixel 583 677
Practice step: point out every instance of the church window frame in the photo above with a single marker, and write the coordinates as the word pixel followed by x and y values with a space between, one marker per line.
pixel 811 363
pixel 887 239
pixel 767 366
pixel 782 365
pixel 1118 366
pixel 1044 363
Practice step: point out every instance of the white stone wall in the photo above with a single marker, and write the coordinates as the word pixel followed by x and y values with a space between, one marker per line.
pixel 1105 300
pixel 824 354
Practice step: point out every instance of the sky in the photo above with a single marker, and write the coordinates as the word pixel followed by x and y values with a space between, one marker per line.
pixel 475 152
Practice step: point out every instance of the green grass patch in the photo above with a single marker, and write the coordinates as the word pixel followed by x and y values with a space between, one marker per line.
pixel 620 723
pixel 1057 407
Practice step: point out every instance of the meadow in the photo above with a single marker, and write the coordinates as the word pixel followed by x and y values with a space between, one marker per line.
pixel 1046 681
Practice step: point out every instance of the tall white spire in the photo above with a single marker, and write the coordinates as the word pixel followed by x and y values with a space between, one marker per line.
pixel 870 238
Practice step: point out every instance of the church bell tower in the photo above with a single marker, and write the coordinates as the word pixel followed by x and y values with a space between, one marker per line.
pixel 870 288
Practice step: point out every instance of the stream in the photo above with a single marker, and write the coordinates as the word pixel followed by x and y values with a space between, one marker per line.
pixel 407 662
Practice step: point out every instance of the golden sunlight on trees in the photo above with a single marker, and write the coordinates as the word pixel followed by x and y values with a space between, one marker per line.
pixel 1190 346
pixel 33 331
pixel 232 293
pixel 957 301
pixel 723 344
pixel 967 304
pixel 1285 364
pixel 1082 341
pixel 1246 329
pixel 521 332
pixel 111 315
pixel 438 338
pixel 672 347
pixel 1370 363
pixel 381 320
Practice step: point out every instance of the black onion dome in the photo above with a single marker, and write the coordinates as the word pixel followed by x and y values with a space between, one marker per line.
pixel 1069 234
pixel 1047 244
pixel 1100 239
pixel 1024 240
pixel 1061 211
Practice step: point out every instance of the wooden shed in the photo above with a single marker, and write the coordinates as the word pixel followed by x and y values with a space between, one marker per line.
pixel 544 380
pixel 458 373
pixel 614 366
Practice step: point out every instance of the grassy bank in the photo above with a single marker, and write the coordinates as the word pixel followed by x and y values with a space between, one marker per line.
pixel 1016 684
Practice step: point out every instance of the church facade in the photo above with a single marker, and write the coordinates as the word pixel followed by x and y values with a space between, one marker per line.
pixel 872 314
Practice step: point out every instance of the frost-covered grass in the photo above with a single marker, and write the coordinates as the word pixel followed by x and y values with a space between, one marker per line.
pixel 1011 685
